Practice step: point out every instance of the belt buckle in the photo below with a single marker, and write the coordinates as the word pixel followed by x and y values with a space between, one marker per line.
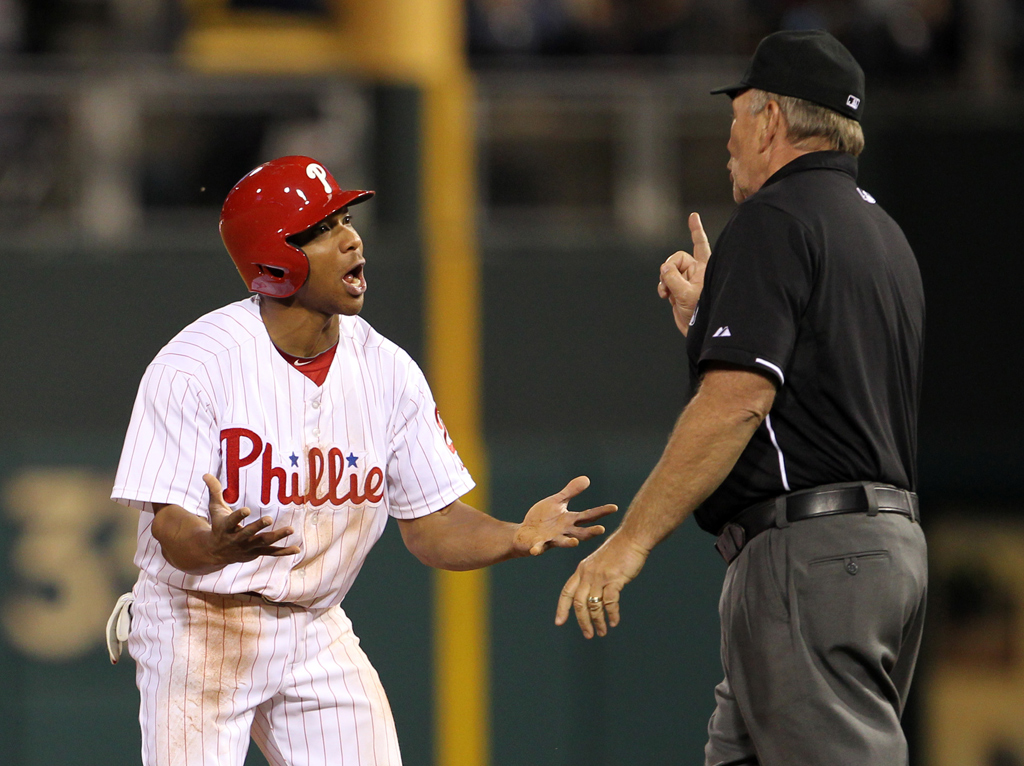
pixel 730 541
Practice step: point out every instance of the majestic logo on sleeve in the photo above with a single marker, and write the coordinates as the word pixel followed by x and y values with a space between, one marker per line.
pixel 331 476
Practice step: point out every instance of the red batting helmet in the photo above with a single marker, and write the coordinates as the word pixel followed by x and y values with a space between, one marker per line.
pixel 276 200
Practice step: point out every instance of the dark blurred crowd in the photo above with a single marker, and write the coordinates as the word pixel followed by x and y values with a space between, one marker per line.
pixel 971 41
pixel 892 38
pixel 73 27
pixel 104 26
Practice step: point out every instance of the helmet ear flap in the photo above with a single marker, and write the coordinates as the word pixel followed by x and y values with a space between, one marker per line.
pixel 274 271
pixel 278 281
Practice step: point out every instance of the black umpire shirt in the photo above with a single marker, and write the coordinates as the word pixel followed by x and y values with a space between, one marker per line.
pixel 812 284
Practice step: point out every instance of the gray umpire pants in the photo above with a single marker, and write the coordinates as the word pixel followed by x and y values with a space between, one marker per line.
pixel 821 627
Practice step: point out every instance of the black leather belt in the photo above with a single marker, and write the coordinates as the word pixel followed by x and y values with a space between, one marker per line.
pixel 828 500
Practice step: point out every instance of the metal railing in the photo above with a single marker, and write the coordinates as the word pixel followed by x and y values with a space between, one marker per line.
pixel 143 152
pixel 139 154
pixel 584 156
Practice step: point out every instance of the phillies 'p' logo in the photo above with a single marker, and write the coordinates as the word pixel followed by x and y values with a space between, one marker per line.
pixel 317 171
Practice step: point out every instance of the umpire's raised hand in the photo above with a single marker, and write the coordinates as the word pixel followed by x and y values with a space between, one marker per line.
pixel 682 276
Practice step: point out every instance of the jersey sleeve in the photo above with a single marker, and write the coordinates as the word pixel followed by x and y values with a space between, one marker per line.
pixel 171 442
pixel 424 471
pixel 760 286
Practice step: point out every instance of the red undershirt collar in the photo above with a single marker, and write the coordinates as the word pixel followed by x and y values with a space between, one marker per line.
pixel 316 368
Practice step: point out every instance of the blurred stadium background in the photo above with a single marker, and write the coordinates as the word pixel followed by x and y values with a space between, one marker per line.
pixel 535 161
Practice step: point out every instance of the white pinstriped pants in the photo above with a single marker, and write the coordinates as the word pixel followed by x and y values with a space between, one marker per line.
pixel 213 670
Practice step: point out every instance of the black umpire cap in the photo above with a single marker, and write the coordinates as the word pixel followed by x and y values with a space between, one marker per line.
pixel 812 65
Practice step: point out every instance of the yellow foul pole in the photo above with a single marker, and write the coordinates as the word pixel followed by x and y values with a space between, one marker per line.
pixel 430 40
pixel 453 342
pixel 420 42
pixel 453 337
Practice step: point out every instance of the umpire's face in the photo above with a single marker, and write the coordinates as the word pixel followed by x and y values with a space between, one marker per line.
pixel 748 160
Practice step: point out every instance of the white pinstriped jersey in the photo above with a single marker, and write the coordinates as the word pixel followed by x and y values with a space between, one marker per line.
pixel 330 461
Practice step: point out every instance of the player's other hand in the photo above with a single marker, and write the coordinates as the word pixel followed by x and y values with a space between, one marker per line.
pixel 594 589
pixel 550 523
pixel 231 542
pixel 682 276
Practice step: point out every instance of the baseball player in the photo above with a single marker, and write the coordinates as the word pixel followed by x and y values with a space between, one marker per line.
pixel 288 407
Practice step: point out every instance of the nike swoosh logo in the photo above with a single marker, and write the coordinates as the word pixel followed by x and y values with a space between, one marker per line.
pixel 303 364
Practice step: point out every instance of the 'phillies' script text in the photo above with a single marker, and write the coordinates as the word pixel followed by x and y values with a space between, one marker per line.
pixel 320 465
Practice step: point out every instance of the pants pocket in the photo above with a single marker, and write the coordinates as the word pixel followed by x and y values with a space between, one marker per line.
pixel 851 563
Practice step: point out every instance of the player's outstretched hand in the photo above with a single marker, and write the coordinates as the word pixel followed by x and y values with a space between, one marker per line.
pixel 231 542
pixel 594 588
pixel 550 523
pixel 682 276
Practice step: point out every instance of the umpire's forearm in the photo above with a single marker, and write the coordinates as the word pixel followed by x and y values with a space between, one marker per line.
pixel 185 540
pixel 705 444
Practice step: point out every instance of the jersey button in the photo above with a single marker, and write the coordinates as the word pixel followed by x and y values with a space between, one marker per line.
pixel 316 405
pixel 316 432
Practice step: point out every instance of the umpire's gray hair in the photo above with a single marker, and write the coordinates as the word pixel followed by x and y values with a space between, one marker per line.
pixel 807 120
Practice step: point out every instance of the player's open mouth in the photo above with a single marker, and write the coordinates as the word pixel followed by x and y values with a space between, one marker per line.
pixel 354 281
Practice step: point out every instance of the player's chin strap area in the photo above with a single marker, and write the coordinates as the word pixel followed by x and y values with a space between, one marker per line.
pixel 118 625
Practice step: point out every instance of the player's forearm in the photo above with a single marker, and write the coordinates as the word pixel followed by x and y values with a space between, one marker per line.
pixel 185 540
pixel 459 538
pixel 704 446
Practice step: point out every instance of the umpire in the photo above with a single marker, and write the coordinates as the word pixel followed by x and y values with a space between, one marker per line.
pixel 798 450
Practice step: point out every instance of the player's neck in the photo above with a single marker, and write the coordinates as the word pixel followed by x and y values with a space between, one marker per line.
pixel 297 330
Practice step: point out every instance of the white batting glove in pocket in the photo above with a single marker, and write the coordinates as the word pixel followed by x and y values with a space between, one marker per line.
pixel 117 626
